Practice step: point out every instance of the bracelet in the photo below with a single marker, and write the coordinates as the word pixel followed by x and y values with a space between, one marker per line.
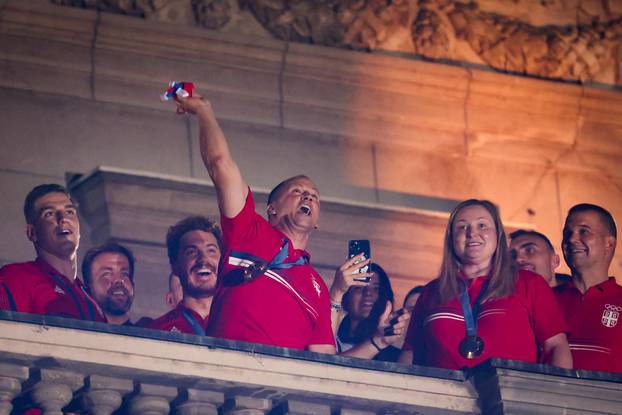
pixel 371 339
pixel 336 306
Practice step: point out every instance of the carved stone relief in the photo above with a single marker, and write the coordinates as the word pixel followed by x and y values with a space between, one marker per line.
pixel 577 40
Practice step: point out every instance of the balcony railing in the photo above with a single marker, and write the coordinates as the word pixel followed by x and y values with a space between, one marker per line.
pixel 56 363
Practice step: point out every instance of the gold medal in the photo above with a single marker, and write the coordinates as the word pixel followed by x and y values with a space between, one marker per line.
pixel 471 347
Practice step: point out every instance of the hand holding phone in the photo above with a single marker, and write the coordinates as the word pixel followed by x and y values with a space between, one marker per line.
pixel 356 247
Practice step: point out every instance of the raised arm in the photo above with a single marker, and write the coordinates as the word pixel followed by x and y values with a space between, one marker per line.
pixel 230 186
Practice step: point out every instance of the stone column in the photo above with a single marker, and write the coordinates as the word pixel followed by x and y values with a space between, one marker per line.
pixel 104 395
pixel 11 378
pixel 152 400
pixel 245 405
pixel 199 402
pixel 52 389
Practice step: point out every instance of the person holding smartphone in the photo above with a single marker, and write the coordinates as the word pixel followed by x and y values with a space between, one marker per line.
pixel 366 326
pixel 362 316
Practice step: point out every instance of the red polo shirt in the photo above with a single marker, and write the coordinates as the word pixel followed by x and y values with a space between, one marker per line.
pixel 595 320
pixel 179 320
pixel 511 327
pixel 37 288
pixel 285 307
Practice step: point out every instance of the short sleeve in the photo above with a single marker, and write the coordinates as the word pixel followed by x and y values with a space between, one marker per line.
pixel 14 295
pixel 415 338
pixel 547 317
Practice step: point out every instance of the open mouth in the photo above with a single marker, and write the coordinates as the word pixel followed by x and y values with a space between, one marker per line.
pixel 528 267
pixel 64 232
pixel 203 271
pixel 119 292
pixel 305 209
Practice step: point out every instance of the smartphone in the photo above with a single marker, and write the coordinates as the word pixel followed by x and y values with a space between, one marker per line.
pixel 358 246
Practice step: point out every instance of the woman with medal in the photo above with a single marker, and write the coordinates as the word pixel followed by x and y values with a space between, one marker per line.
pixel 479 307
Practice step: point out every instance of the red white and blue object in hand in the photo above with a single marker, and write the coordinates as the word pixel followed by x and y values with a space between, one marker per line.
pixel 179 89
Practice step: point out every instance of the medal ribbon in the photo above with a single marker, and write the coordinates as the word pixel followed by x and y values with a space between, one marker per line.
pixel 278 261
pixel 470 314
pixel 196 326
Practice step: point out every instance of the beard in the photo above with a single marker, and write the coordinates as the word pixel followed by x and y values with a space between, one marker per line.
pixel 117 305
pixel 202 290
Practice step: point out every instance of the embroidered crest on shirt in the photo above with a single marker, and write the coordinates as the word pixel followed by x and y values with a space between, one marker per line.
pixel 610 316
pixel 175 330
pixel 316 285
pixel 59 290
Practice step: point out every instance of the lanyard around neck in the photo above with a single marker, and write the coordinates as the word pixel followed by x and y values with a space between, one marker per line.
pixel 470 313
pixel 194 324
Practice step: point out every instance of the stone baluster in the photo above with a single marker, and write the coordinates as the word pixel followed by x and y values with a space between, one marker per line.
pixel 245 405
pixel 103 395
pixel 199 402
pixel 11 378
pixel 152 400
pixel 52 389
pixel 293 407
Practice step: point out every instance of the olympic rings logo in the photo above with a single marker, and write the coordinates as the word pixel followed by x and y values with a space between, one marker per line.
pixel 611 307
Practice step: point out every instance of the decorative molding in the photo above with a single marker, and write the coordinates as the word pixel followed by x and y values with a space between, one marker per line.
pixel 587 49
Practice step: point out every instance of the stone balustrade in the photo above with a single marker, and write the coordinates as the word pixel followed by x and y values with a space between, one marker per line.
pixel 74 366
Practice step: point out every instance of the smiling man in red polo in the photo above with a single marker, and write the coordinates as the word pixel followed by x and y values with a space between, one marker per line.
pixel 49 285
pixel 193 246
pixel 267 290
pixel 592 301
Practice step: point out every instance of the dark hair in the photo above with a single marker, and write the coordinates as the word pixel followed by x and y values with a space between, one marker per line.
pixel 112 247
pixel 415 290
pixel 191 223
pixel 603 213
pixel 502 276
pixel 36 193
pixel 523 232
pixel 274 193
pixel 367 327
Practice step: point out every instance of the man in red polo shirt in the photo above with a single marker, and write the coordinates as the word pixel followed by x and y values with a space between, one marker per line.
pixel 194 252
pixel 49 285
pixel 592 301
pixel 267 290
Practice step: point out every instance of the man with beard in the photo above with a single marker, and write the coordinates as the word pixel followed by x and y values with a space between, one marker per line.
pixel 267 290
pixel 108 273
pixel 49 285
pixel 592 301
pixel 194 251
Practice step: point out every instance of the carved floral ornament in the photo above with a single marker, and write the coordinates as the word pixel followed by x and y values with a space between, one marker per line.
pixel 588 49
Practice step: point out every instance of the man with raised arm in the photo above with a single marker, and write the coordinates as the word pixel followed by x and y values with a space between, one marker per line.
pixel 592 301
pixel 267 290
